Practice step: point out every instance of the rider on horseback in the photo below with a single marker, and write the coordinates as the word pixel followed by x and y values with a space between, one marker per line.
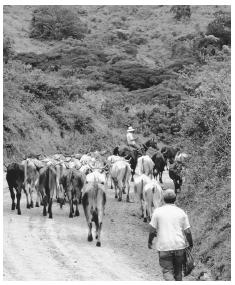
pixel 131 140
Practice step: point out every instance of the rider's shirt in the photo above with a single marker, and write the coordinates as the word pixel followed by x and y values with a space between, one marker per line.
pixel 130 139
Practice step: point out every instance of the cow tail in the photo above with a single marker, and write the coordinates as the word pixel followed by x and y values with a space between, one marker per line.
pixel 85 200
pixel 125 174
pixel 142 190
pixel 143 170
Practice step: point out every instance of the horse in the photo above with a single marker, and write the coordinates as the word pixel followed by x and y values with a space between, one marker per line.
pixel 132 154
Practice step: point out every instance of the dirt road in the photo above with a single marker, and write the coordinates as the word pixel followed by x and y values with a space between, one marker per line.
pixel 39 248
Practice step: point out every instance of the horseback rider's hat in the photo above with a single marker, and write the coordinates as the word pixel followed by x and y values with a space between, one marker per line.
pixel 130 129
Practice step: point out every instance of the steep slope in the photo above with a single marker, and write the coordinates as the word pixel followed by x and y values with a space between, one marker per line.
pixel 139 66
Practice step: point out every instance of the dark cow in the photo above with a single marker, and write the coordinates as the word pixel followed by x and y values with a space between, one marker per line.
pixel 159 165
pixel 169 153
pixel 133 154
pixel 74 183
pixel 15 180
pixel 93 201
pixel 47 184
pixel 175 173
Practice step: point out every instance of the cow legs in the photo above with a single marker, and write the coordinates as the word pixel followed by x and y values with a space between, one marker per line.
pixel 120 187
pixel 44 201
pixel 27 197
pixel 71 208
pixel 13 204
pixel 132 175
pixel 160 177
pixel 115 186
pixel 76 211
pixel 50 208
pixel 18 197
pixel 128 191
pixel 38 200
pixel 98 243
pixel 31 196
pixel 145 211
pixel 90 237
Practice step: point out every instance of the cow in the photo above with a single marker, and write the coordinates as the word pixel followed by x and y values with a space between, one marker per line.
pixel 120 174
pixel 93 201
pixel 31 173
pixel 169 153
pixel 139 183
pixel 159 165
pixel 145 166
pixel 74 184
pixel 110 161
pixel 87 159
pixel 47 184
pixel 153 197
pixel 133 154
pixel 96 176
pixel 175 173
pixel 15 180
pixel 85 169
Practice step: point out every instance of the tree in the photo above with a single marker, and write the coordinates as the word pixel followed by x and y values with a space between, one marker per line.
pixel 56 23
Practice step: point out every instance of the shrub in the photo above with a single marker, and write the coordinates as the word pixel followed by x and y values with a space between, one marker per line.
pixel 56 23
pixel 8 51
pixel 181 11
pixel 221 27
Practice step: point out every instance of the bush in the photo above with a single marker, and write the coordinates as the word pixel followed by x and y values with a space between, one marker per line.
pixel 181 11
pixel 221 27
pixel 8 51
pixel 56 23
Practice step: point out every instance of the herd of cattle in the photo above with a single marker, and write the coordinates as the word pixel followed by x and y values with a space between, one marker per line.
pixel 84 179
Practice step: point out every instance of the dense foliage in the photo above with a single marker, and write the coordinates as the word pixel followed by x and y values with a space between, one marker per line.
pixel 56 23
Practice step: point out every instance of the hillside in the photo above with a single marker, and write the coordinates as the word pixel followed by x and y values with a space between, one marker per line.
pixel 75 77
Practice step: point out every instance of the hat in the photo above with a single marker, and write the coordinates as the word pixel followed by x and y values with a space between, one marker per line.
pixel 130 129
pixel 169 194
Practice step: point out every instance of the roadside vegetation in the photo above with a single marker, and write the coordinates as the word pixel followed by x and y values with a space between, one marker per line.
pixel 76 77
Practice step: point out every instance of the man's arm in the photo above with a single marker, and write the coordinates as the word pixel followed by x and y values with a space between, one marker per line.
pixel 152 235
pixel 189 238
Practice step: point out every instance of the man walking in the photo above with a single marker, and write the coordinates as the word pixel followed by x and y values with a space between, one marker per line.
pixel 171 226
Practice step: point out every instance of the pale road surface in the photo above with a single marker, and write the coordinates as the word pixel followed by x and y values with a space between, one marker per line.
pixel 38 248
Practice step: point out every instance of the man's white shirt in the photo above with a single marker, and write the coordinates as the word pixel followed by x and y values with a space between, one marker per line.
pixel 170 222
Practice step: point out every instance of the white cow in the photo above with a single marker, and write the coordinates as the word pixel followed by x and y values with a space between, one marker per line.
pixel 153 197
pixel 139 183
pixel 144 166
pixel 120 174
pixel 96 176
